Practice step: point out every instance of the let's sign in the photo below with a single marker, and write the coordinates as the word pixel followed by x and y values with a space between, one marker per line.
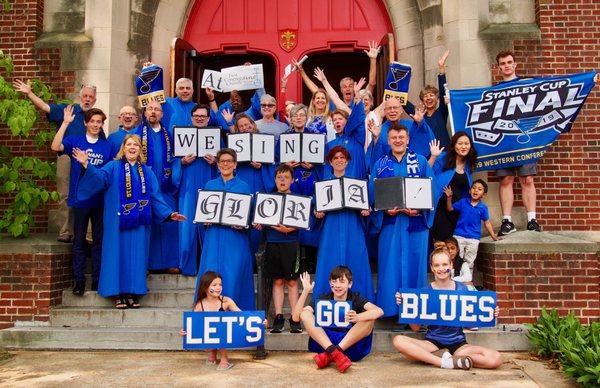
pixel 448 307
pixel 223 329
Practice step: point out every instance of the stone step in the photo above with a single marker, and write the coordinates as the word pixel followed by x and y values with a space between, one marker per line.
pixel 144 338
pixel 156 317
pixel 183 298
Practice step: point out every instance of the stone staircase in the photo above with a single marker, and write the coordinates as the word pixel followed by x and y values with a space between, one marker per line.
pixel 92 322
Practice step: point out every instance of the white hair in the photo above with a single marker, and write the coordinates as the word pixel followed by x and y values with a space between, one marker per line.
pixel 184 80
pixel 267 98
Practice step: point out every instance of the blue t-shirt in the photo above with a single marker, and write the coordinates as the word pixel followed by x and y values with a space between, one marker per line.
pixel 57 116
pixel 446 335
pixel 99 153
pixel 469 220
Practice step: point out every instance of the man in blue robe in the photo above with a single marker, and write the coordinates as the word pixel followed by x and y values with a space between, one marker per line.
pixel 128 118
pixel 419 131
pixel 190 174
pixel 157 148
pixel 178 110
pixel 404 232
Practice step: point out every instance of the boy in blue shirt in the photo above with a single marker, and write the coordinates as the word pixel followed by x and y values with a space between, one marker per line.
pixel 282 254
pixel 100 152
pixel 472 212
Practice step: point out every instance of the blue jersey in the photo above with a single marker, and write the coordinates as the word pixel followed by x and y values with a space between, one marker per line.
pixel 99 153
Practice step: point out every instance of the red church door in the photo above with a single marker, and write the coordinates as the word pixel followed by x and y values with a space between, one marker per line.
pixel 333 33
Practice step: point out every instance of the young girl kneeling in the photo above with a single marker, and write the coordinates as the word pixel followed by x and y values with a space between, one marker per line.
pixel 210 299
pixel 445 346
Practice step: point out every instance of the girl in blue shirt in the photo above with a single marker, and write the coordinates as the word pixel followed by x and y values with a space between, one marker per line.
pixel 445 346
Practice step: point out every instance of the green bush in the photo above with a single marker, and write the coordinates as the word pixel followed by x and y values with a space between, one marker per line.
pixel 575 346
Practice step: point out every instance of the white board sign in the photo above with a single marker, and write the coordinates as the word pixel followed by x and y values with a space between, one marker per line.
pixel 242 78
pixel 211 79
pixel 356 194
pixel 328 195
pixel 296 211
pixel 208 206
pixel 241 143
pixel 268 209
pixel 290 147
pixel 236 209
pixel 185 141
pixel 313 147
pixel 263 148
pixel 209 141
pixel 418 193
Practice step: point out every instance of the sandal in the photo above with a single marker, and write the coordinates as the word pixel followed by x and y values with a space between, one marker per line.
pixel 121 303
pixel 211 362
pixel 440 352
pixel 133 302
pixel 462 362
pixel 226 367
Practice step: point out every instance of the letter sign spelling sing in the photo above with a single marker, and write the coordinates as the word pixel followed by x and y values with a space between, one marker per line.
pixel 332 313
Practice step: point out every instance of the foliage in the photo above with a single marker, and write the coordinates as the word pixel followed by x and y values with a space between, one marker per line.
pixel 20 176
pixel 575 346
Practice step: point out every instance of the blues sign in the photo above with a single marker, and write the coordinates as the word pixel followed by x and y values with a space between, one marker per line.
pixel 223 330
pixel 513 123
pixel 448 307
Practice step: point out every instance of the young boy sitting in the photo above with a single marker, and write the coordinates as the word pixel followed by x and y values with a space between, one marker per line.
pixel 340 345
pixel 472 212
pixel 282 257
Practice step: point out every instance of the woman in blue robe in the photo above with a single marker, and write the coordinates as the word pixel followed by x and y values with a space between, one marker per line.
pixel 126 243
pixel 452 168
pixel 350 134
pixel 258 176
pixel 403 241
pixel 190 174
pixel 226 249
pixel 157 148
pixel 343 239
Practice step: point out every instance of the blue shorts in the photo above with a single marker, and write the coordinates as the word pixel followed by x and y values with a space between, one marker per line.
pixel 356 352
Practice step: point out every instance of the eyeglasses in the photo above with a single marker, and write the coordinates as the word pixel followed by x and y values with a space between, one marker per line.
pixel 267 105
pixel 129 114
pixel 151 109
pixel 226 161
pixel 200 117
pixel 300 115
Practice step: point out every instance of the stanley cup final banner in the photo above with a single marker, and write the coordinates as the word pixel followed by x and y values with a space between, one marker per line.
pixel 513 123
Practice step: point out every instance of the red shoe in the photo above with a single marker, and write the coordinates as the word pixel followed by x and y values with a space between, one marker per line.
pixel 341 360
pixel 322 360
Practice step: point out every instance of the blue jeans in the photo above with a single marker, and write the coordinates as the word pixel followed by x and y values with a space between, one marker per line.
pixel 81 217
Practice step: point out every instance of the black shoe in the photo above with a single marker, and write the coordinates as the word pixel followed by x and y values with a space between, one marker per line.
pixel 79 288
pixel 94 286
pixel 65 239
pixel 506 228
pixel 295 327
pixel 534 226
pixel 278 324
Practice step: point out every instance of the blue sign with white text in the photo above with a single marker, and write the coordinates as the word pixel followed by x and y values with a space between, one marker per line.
pixel 332 313
pixel 223 329
pixel 448 307
pixel 513 123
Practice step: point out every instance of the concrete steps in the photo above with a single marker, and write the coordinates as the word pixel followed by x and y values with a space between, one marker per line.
pixel 145 338
pixel 92 322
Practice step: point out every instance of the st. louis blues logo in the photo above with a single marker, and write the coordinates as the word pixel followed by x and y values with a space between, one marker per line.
pixel 147 77
pixel 128 207
pixel 524 109
pixel 398 74
pixel 142 203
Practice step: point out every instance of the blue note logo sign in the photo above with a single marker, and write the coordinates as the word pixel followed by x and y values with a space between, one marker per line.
pixel 522 110
pixel 332 313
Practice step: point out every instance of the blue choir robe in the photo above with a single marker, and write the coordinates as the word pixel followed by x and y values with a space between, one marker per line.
pixel 402 252
pixel 420 135
pixel 260 180
pixel 116 137
pixel 353 139
pixel 177 113
pixel 188 180
pixel 253 111
pixel 342 242
pixel 164 243
pixel 227 251
pixel 443 178
pixel 124 252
